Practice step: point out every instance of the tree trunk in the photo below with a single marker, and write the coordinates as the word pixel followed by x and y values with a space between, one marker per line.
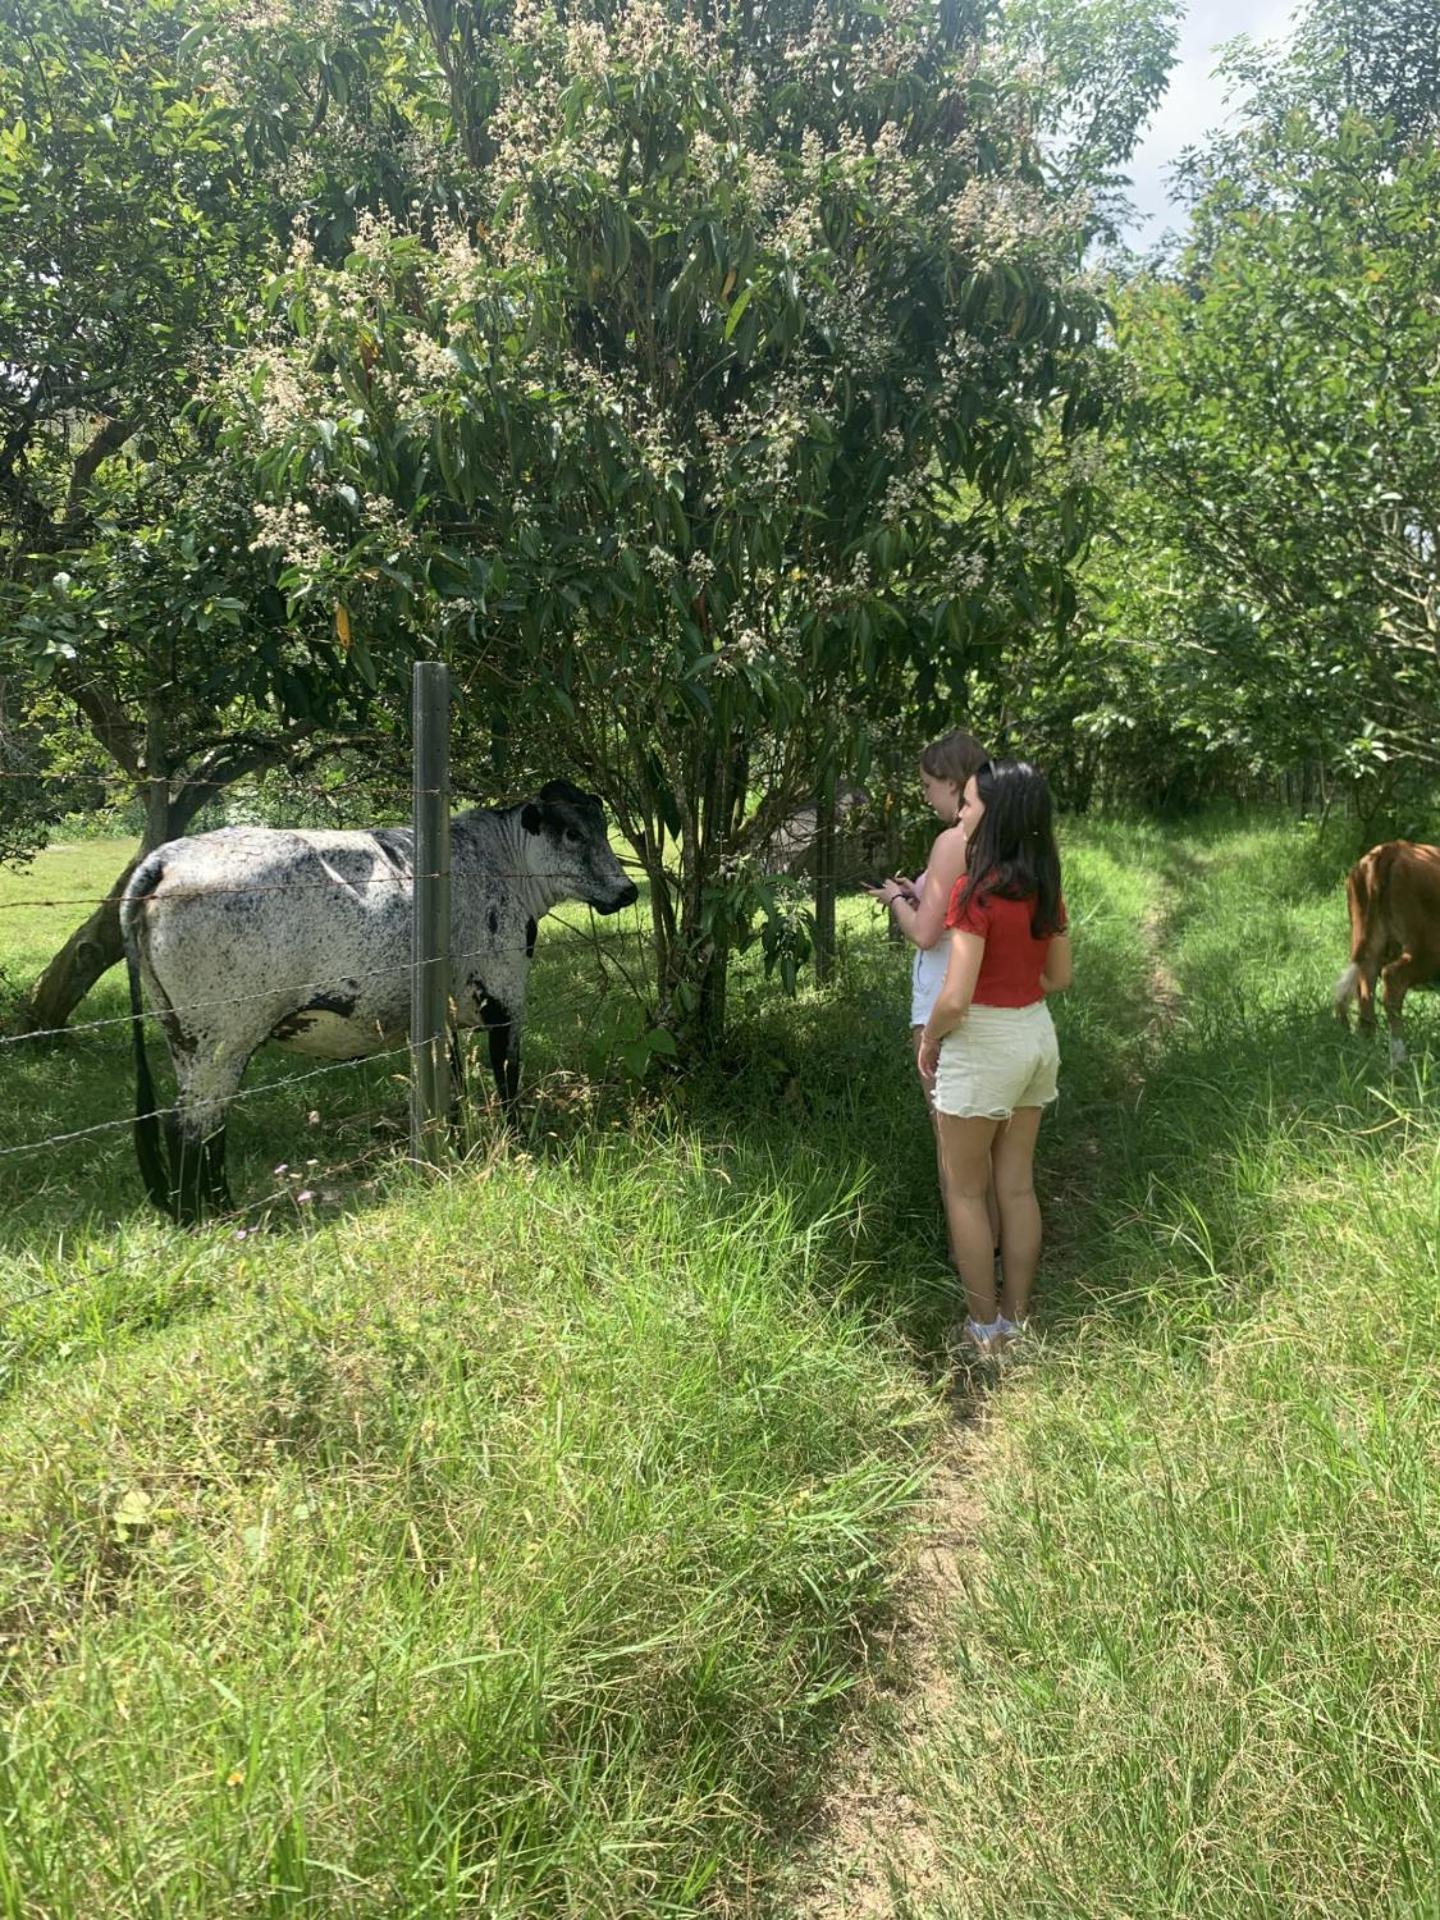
pixel 825 862
pixel 92 949
pixel 714 993
pixel 892 841
pixel 95 946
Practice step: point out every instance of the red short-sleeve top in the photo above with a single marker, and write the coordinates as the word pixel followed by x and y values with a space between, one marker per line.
pixel 1014 959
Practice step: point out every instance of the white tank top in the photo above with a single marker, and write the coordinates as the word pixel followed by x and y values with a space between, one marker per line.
pixel 927 973
pixel 927 976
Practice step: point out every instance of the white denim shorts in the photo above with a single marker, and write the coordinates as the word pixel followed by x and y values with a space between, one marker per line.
pixel 997 1059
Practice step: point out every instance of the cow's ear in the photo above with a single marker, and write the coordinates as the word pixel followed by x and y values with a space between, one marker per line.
pixel 530 818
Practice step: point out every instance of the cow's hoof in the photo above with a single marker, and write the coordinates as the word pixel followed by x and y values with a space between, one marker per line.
pixel 1398 1055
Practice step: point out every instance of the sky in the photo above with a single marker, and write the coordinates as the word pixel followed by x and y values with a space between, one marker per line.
pixel 1194 103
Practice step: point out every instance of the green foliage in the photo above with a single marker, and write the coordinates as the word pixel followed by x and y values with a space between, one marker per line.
pixel 1288 424
pixel 708 439
pixel 1101 68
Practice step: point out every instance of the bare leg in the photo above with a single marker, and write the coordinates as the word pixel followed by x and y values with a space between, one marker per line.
pixel 966 1147
pixel 991 1207
pixel 1019 1209
pixel 916 1033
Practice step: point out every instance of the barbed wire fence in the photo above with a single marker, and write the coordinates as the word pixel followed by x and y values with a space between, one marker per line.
pixel 423 1058
pixel 432 1028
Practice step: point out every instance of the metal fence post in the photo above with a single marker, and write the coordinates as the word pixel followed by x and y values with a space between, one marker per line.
pixel 825 876
pixel 430 946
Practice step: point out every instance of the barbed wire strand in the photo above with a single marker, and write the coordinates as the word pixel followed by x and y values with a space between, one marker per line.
pixel 249 777
pixel 382 1154
pixel 157 1016
pixel 331 884
pixel 374 1156
pixel 244 1093
pixel 315 886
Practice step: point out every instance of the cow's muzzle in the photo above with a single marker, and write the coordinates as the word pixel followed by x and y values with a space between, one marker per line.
pixel 624 896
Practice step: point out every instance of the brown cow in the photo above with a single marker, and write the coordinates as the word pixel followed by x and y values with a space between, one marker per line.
pixel 1394 895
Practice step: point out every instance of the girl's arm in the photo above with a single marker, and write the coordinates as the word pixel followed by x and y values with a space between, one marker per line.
pixel 952 1004
pixel 923 923
pixel 1058 969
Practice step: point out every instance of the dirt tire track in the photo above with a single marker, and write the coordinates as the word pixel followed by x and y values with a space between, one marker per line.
pixel 870 1854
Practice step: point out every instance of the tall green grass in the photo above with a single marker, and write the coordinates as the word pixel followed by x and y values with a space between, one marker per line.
pixel 506 1544
pixel 505 1552
pixel 1196 1665
pixel 515 1542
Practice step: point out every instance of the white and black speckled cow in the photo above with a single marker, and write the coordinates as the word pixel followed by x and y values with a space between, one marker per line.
pixel 252 934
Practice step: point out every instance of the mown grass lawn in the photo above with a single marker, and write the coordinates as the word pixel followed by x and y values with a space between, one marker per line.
pixel 511 1544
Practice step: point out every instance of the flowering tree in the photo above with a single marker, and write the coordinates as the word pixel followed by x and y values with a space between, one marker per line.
pixel 696 442
pixel 151 159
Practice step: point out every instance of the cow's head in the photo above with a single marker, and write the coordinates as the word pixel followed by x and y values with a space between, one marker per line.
pixel 570 848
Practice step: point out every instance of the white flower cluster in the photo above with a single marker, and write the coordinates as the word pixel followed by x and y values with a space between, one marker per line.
pixel 433 366
pixel 994 219
pixel 903 493
pixel 291 530
pixel 743 647
pixel 266 385
pixel 587 50
pixel 892 173
pixel 965 573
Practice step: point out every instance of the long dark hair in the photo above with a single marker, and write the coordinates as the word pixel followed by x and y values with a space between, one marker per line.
pixel 1013 854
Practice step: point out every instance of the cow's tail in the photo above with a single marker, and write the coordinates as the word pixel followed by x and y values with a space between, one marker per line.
pixel 149 1139
pixel 1346 987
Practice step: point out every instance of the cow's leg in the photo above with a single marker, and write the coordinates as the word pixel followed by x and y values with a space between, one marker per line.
pixel 1399 977
pixel 504 1034
pixel 205 1088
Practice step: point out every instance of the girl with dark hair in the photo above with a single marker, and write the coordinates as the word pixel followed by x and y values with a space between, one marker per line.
pixel 988 1052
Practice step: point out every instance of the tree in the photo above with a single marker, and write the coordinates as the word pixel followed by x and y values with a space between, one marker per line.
pixel 1098 69
pixel 151 161
pixel 1288 421
pixel 695 444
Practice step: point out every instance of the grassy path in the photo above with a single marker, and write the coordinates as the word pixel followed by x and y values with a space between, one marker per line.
pixel 1192 1661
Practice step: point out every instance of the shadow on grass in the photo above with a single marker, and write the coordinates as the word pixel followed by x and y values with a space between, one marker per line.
pixel 1142 1168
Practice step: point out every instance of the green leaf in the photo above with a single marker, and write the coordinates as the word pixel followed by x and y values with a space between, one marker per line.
pixel 738 306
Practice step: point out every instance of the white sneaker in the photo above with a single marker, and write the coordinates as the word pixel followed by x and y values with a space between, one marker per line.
pixel 982 1340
